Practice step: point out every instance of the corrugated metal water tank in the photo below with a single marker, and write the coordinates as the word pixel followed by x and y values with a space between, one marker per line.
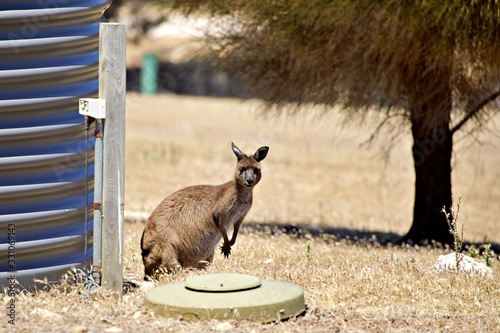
pixel 49 54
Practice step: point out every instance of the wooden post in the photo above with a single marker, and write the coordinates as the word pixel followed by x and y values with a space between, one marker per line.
pixel 112 88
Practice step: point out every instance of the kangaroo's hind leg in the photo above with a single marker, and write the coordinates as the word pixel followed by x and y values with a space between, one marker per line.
pixel 202 264
pixel 170 259
pixel 158 258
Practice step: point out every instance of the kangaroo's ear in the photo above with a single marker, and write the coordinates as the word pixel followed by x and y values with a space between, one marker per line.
pixel 261 153
pixel 239 154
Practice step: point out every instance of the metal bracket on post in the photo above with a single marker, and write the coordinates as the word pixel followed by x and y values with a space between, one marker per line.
pixel 93 108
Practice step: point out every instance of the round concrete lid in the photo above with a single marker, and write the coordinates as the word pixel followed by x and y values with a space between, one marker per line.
pixel 222 282
pixel 227 296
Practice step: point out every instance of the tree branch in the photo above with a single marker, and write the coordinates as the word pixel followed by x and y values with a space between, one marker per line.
pixel 475 110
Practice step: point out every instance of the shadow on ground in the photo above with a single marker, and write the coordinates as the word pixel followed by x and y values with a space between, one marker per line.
pixel 325 233
pixel 350 236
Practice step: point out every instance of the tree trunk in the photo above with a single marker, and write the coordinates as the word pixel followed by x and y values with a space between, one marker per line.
pixel 432 151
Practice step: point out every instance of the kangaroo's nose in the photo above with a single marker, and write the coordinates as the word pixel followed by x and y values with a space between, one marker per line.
pixel 249 181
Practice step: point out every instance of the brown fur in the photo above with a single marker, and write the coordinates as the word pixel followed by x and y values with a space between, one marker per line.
pixel 185 228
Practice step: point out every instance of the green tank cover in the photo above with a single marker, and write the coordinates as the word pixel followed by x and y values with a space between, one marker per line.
pixel 227 296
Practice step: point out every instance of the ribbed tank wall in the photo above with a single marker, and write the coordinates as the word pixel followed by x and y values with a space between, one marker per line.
pixel 49 54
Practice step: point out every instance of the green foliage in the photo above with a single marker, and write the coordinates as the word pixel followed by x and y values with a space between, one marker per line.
pixel 359 53
pixel 308 251
pixel 487 254
pixel 472 251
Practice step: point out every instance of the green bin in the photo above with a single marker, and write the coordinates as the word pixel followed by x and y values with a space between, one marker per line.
pixel 149 75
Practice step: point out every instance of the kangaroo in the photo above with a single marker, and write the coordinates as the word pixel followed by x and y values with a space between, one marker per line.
pixel 185 228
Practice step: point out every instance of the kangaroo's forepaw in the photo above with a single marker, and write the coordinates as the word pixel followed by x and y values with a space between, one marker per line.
pixel 226 250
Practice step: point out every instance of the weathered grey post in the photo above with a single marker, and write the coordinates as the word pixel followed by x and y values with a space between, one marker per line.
pixel 112 43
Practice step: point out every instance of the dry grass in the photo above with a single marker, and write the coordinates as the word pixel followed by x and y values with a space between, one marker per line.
pixel 315 176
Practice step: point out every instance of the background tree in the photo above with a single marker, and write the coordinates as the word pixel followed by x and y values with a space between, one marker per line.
pixel 433 64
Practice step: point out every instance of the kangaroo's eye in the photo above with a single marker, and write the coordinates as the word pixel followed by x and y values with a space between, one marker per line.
pixel 257 172
pixel 242 170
